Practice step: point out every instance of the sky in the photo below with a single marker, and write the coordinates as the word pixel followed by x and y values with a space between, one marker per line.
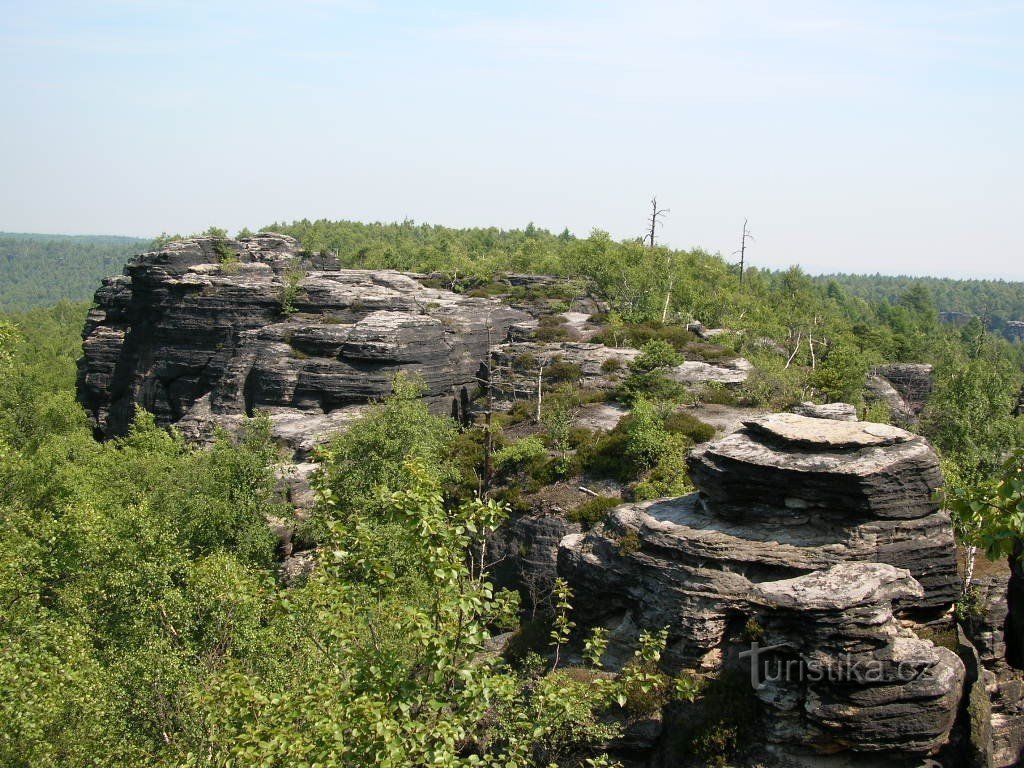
pixel 856 136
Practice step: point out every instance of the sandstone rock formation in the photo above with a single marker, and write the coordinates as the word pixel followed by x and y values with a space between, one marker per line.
pixel 986 621
pixel 1014 330
pixel 835 411
pixel 207 331
pixel 816 529
pixel 861 680
pixel 864 488
pixel 904 387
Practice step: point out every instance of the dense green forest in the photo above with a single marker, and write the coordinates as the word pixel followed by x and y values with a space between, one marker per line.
pixel 142 619
pixel 996 301
pixel 39 270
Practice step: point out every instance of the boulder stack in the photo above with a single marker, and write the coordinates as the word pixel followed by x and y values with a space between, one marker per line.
pixel 817 535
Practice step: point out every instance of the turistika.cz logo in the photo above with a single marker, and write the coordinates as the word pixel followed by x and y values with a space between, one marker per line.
pixel 769 665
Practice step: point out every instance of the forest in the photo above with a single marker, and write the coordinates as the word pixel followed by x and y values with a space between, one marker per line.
pixel 142 618
pixel 40 270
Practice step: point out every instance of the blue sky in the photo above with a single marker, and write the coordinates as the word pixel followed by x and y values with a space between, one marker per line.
pixel 855 136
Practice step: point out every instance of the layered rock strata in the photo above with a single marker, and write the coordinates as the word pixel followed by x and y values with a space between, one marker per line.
pixel 815 530
pixel 904 387
pixel 207 331
pixel 842 673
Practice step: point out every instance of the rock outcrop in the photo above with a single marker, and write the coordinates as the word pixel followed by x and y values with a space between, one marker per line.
pixel 842 671
pixel 904 387
pixel 1014 330
pixel 834 411
pixel 208 331
pixel 815 529
pixel 986 621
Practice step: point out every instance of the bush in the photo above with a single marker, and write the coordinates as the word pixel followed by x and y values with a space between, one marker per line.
pixel 528 451
pixel 715 392
pixel 688 425
pixel 551 333
pixel 656 354
pixel 593 511
pixel 607 458
pixel 638 334
pixel 646 438
pixel 611 365
pixel 725 718
pixel 670 476
pixel 562 371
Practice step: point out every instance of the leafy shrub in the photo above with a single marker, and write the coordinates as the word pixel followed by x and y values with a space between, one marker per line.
pixel 688 425
pixel 722 721
pixel 551 333
pixel 562 371
pixel 529 450
pixel 770 385
pixel 702 350
pixel 607 457
pixel 715 392
pixel 655 354
pixel 646 438
pixel 594 510
pixel 670 476
pixel 611 365
pixel 638 334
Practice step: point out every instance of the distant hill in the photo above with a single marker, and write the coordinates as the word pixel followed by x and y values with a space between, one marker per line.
pixel 39 270
pixel 995 300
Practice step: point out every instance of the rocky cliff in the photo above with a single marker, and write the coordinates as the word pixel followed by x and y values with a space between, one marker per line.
pixel 206 331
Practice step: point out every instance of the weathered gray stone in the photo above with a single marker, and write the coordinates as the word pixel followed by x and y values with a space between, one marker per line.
pixel 196 334
pixel 867 488
pixel 880 389
pixel 734 371
pixel 835 411
pixel 860 681
pixel 913 381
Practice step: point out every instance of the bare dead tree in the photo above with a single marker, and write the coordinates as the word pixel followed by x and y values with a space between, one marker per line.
pixel 655 220
pixel 743 249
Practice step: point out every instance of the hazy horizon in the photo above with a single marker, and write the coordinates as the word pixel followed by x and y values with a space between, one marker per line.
pixel 855 136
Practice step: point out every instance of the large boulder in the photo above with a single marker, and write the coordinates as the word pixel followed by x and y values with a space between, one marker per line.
pixel 206 331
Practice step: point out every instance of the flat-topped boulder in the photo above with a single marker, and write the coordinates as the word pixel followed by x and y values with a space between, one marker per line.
pixel 826 434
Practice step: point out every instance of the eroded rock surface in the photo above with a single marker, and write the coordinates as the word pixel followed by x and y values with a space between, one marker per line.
pixel 208 331
pixel 816 530
pixel 863 681
pixel 836 411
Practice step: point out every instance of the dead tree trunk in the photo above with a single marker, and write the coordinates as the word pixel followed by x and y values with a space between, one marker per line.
pixel 743 249
pixel 655 220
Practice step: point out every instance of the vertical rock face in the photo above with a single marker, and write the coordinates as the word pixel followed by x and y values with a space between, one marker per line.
pixel 989 625
pixel 206 331
pixel 814 531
